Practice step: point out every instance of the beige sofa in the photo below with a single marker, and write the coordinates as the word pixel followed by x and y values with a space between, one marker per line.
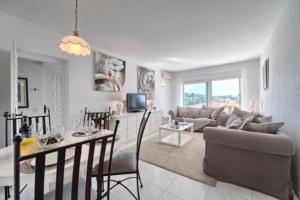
pixel 255 160
pixel 215 117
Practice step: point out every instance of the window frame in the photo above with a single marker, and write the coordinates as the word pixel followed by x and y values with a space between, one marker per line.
pixel 197 82
pixel 209 89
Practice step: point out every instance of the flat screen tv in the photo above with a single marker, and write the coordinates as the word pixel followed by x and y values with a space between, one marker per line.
pixel 136 102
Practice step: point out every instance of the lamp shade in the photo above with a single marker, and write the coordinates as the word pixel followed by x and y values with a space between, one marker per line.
pixel 75 45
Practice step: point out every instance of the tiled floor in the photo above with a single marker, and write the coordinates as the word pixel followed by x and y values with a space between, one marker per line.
pixel 160 184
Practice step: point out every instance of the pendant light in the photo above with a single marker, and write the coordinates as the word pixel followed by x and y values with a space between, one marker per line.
pixel 74 44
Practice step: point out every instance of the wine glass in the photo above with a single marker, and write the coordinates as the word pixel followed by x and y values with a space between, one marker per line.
pixel 92 126
pixel 59 134
pixel 42 140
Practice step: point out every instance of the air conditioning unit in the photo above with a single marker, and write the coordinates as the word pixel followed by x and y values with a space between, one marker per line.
pixel 167 75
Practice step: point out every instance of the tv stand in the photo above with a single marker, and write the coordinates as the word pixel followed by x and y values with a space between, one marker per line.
pixel 130 123
pixel 135 111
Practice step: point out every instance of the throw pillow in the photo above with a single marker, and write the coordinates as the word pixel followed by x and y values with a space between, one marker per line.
pixel 235 124
pixel 247 120
pixel 241 113
pixel 262 119
pixel 182 112
pixel 216 112
pixel 268 127
pixel 231 119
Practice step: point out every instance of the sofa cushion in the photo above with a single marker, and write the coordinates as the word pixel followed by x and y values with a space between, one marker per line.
pixel 194 112
pixel 212 122
pixel 234 122
pixel 182 112
pixel 268 127
pixel 262 119
pixel 230 119
pixel 222 119
pixel 242 113
pixel 217 112
pixel 205 113
pixel 247 120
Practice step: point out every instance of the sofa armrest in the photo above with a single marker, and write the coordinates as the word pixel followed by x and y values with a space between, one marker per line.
pixel 172 114
pixel 278 144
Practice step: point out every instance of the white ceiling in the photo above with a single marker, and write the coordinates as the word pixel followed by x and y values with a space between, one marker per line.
pixel 170 34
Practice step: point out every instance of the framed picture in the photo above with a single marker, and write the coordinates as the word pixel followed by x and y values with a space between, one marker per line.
pixel 109 73
pixel 146 82
pixel 266 74
pixel 23 93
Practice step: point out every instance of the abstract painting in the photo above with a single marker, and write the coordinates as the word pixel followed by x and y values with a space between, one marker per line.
pixel 146 82
pixel 109 73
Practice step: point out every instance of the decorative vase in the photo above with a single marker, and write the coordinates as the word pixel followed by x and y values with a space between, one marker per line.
pixel 119 107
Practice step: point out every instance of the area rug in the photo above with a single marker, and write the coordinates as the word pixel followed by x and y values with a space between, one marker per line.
pixel 186 160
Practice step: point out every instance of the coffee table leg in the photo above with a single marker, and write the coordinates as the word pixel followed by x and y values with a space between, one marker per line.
pixel 179 138
pixel 159 131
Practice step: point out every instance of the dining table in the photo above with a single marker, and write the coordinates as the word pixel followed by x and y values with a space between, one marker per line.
pixel 27 168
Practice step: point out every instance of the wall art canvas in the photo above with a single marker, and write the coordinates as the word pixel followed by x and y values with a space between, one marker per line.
pixel 266 75
pixel 146 82
pixel 109 73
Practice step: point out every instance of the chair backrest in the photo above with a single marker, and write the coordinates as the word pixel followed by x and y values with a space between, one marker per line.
pixel 47 110
pixel 101 119
pixel 142 127
pixel 15 120
pixel 61 153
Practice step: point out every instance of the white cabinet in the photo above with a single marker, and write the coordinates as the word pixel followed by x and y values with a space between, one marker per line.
pixel 130 123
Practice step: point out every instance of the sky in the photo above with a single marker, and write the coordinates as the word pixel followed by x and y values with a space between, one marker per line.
pixel 219 88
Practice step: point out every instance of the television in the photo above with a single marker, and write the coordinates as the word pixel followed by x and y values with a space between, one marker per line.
pixel 136 102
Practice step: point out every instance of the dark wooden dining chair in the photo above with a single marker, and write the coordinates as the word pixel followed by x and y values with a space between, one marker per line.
pixel 125 163
pixel 47 111
pixel 13 123
pixel 60 192
pixel 101 119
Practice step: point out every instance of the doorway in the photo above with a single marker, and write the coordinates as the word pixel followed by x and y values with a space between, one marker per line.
pixel 46 85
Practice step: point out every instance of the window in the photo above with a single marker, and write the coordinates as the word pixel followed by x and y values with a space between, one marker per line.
pixel 215 93
pixel 195 95
pixel 225 93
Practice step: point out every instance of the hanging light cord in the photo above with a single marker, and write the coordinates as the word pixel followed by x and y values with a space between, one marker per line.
pixel 76 18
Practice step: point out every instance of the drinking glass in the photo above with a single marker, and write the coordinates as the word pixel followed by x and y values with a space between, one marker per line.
pixel 42 140
pixel 92 126
pixel 59 134
pixel 77 124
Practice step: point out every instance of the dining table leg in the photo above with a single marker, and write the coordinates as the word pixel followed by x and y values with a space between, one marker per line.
pixel 6 192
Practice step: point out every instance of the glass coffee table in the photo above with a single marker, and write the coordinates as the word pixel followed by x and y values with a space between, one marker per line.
pixel 177 137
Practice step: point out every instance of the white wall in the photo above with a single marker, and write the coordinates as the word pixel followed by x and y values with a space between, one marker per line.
pixel 33 71
pixel 4 90
pixel 37 39
pixel 248 71
pixel 282 99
